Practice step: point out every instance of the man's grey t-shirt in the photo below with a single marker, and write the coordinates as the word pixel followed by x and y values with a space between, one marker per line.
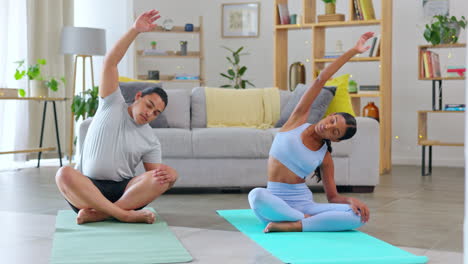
pixel 115 144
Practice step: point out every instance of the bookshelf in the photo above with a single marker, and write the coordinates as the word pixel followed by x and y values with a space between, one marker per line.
pixel 171 77
pixel 319 32
pixel 423 140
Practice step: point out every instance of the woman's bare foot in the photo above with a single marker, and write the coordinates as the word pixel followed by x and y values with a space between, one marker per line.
pixel 283 227
pixel 141 216
pixel 90 215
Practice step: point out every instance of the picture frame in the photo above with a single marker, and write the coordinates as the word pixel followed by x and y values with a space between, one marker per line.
pixel 240 20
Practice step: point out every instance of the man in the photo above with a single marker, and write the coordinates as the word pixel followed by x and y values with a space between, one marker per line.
pixel 104 184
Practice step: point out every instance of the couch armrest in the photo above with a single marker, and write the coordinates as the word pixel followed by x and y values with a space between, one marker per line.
pixel 365 153
pixel 82 133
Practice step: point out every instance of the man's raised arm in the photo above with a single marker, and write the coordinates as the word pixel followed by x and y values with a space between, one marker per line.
pixel 110 74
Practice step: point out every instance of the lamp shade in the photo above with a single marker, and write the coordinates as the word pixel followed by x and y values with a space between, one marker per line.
pixel 83 41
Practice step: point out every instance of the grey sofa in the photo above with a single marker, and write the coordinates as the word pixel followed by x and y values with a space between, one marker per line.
pixel 237 157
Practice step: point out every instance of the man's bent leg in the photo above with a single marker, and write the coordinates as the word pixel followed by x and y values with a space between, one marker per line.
pixel 82 193
pixel 140 191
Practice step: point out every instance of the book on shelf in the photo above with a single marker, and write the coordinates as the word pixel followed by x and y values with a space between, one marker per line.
pixel 456 71
pixel 375 46
pixel 454 109
pixel 283 13
pixel 369 88
pixel 431 65
pixel 454 105
pixel 357 12
pixel 371 50
pixel 364 10
pixel 332 54
pixel 435 65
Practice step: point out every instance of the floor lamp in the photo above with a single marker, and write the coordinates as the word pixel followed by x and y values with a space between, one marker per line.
pixel 84 43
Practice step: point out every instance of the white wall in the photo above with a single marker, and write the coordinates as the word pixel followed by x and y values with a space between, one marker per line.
pixel 115 17
pixel 409 94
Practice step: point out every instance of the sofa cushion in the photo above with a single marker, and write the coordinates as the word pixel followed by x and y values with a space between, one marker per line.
pixel 198 107
pixel 232 142
pixel 175 142
pixel 317 109
pixel 178 108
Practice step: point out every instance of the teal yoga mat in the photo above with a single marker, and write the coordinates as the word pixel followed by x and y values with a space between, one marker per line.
pixel 114 242
pixel 350 247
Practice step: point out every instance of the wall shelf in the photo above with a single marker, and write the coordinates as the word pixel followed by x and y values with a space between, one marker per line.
pixel 318 62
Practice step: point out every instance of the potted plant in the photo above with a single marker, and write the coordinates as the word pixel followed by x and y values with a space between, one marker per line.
pixel 86 104
pixel 235 72
pixel 444 29
pixel 38 84
pixel 330 7
pixel 153 44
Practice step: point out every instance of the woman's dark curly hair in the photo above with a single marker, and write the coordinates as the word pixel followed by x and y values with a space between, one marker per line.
pixel 350 131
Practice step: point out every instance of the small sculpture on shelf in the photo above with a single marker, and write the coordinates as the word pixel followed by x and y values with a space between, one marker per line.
pixel 183 48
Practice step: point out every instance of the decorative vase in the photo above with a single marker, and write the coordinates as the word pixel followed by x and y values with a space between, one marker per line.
pixel 188 27
pixel 38 88
pixel 296 75
pixel 450 37
pixel 330 8
pixel 371 110
pixel 183 48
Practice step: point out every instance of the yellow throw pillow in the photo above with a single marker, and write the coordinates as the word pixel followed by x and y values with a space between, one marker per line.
pixel 126 79
pixel 341 101
pixel 254 107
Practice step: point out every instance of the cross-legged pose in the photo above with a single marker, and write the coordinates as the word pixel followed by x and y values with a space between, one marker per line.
pixel 299 149
pixel 104 184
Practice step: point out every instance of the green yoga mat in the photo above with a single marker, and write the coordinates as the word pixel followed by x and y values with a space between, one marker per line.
pixel 114 242
pixel 349 247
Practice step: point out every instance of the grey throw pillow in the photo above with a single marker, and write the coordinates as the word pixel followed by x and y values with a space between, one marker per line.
pixel 160 122
pixel 318 108
pixel 130 89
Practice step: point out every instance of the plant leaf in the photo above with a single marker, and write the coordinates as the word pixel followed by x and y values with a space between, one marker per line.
pixel 226 86
pixel 224 75
pixel 41 61
pixel 239 50
pixel 242 70
pixel 21 92
pixel 250 83
pixel 231 72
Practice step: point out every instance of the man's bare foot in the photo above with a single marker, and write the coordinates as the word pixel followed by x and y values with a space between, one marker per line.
pixel 141 216
pixel 283 227
pixel 90 215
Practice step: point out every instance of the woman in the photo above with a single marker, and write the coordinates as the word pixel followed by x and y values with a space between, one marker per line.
pixel 300 148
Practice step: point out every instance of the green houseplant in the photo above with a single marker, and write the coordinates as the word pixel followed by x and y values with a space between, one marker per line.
pixel 86 104
pixel 330 6
pixel 444 29
pixel 153 44
pixel 235 72
pixel 37 81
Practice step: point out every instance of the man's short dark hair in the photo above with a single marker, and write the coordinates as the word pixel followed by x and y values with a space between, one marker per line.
pixel 157 90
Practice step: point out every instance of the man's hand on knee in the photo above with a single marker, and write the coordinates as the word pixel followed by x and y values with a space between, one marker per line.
pixel 165 174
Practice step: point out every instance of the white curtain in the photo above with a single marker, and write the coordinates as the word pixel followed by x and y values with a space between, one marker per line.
pixel 45 21
pixel 30 30
pixel 14 115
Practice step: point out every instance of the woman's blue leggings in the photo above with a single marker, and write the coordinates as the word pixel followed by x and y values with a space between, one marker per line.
pixel 289 202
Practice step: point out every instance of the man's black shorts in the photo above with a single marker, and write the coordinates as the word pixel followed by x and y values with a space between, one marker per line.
pixel 112 190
